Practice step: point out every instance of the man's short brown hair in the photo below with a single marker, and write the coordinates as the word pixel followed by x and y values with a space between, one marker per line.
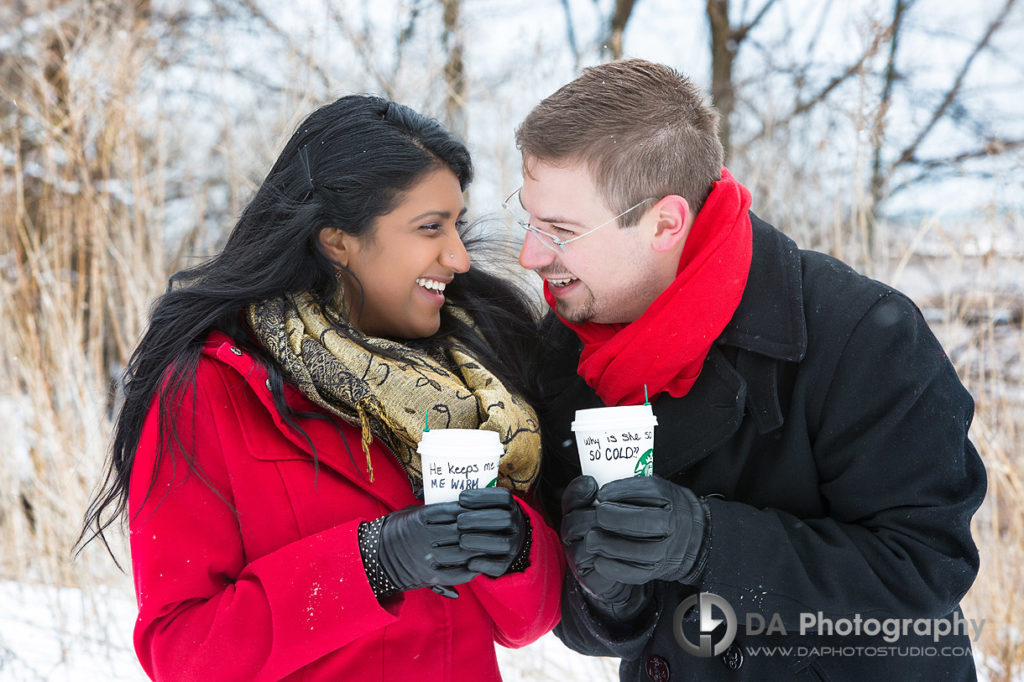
pixel 642 129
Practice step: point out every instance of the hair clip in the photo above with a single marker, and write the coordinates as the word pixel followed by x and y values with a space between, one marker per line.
pixel 304 158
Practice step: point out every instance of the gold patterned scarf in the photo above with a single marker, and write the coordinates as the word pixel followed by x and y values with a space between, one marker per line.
pixel 389 398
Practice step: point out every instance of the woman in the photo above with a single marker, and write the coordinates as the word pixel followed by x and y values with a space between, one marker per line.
pixel 265 453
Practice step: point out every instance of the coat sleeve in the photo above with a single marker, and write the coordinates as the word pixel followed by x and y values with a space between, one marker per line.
pixel 525 605
pixel 898 476
pixel 205 610
pixel 583 631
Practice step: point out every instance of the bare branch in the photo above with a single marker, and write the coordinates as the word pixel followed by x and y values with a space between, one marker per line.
pixel 406 34
pixel 723 54
pixel 257 13
pixel 838 80
pixel 907 155
pixel 889 79
pixel 364 50
pixel 819 29
pixel 454 71
pixel 928 167
pixel 894 39
pixel 741 32
pixel 570 29
pixel 994 147
pixel 808 104
pixel 725 45
pixel 617 25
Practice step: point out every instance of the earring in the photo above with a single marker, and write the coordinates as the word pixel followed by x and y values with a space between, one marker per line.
pixel 452 255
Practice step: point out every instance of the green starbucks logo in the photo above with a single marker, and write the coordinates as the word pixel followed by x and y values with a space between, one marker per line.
pixel 645 465
pixel 493 483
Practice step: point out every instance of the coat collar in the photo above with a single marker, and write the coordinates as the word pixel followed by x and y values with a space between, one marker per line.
pixel 770 325
pixel 330 449
pixel 770 317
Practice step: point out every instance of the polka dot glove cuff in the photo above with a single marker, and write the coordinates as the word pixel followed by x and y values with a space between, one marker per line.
pixel 369 548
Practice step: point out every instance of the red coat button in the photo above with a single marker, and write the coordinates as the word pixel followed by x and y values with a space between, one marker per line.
pixel 657 669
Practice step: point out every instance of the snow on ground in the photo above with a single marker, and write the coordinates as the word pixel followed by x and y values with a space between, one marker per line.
pixel 549 660
pixel 66 635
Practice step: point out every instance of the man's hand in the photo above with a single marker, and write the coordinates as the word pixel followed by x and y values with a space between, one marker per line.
pixel 645 529
pixel 611 598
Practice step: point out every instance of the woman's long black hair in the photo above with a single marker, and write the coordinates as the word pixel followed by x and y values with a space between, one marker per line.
pixel 346 164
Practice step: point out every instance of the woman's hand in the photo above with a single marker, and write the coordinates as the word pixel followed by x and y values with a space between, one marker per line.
pixel 445 544
pixel 419 547
pixel 492 527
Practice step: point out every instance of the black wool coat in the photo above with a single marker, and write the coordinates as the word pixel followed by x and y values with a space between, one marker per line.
pixel 828 433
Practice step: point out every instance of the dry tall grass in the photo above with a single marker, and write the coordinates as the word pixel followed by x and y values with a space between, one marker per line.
pixel 80 192
pixel 981 330
pixel 80 195
pixel 83 198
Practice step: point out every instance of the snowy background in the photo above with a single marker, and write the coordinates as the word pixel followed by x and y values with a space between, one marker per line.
pixel 132 133
pixel 65 636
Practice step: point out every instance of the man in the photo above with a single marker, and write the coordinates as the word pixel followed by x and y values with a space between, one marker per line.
pixel 812 466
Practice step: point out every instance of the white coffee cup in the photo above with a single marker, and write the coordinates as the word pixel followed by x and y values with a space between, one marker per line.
pixel 454 460
pixel 615 442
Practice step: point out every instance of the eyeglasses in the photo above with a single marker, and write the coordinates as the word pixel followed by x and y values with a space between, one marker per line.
pixel 513 205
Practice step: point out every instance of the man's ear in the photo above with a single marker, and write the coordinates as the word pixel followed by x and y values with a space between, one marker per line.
pixel 673 223
pixel 336 244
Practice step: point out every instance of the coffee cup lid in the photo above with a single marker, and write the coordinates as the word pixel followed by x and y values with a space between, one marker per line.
pixel 482 439
pixel 614 417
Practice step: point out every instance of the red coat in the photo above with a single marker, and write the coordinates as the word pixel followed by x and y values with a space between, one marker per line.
pixel 262 579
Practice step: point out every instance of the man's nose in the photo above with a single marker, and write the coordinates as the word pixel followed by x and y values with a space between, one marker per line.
pixel 533 254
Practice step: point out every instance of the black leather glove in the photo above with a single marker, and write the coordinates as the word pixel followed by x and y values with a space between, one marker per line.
pixel 645 529
pixel 492 526
pixel 419 547
pixel 611 598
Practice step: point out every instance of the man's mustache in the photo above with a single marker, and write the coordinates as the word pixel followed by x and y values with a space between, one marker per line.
pixel 553 274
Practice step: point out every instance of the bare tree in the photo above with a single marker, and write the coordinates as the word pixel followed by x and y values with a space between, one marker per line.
pixel 895 162
pixel 570 34
pixel 608 40
pixel 994 144
pixel 888 81
pixel 616 26
pixel 454 71
pixel 726 41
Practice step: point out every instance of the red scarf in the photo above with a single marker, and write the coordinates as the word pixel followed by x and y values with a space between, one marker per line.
pixel 665 348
